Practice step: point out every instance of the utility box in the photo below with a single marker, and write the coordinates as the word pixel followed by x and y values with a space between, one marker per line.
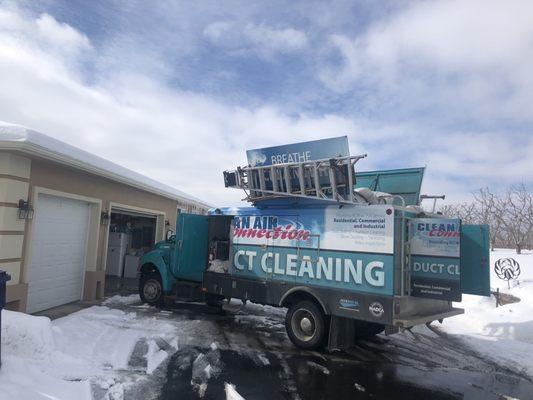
pixel 4 277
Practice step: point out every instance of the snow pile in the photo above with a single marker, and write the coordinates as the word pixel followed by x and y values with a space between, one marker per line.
pixel 359 387
pixel 28 353
pixel 319 367
pixel 69 357
pixel 122 300
pixel 504 334
pixel 205 367
pixel 25 335
pixel 155 356
pixel 219 266
pixel 231 392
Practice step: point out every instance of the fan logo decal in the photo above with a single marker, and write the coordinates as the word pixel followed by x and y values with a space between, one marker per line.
pixel 507 269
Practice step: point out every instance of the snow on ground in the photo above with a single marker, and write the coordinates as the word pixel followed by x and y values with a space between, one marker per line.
pixel 69 357
pixel 92 350
pixel 503 334
pixel 121 300
pixel 231 392
pixel 205 367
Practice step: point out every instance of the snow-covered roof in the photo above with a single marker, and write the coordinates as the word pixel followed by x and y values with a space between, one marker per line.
pixel 20 138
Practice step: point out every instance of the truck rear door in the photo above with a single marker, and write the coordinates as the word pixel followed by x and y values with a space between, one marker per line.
pixel 475 264
pixel 191 246
pixel 436 258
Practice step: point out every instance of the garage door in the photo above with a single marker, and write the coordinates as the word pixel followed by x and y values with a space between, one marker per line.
pixel 58 249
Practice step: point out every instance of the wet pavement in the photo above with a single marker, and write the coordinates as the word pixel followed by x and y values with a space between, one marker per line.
pixel 248 347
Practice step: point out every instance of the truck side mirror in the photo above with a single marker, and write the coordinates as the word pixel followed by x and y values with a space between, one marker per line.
pixel 170 236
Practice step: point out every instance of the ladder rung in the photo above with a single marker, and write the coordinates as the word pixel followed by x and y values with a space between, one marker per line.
pixel 262 179
pixel 301 178
pixel 317 181
pixel 327 179
pixel 287 177
pixel 274 179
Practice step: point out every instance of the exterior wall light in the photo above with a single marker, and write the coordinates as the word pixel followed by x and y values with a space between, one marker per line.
pixel 25 210
pixel 104 218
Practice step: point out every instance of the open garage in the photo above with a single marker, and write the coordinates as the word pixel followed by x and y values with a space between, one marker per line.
pixel 131 234
pixel 73 224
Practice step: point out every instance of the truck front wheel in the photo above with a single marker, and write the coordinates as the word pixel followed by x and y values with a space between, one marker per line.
pixel 151 289
pixel 305 325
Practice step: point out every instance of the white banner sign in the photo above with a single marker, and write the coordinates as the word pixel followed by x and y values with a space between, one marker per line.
pixel 361 228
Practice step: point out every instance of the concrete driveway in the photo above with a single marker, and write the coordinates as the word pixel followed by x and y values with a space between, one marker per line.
pixel 248 347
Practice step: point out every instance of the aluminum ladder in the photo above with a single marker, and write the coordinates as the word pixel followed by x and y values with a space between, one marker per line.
pixel 330 179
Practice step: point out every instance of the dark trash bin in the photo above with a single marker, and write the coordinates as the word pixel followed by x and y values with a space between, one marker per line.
pixel 4 277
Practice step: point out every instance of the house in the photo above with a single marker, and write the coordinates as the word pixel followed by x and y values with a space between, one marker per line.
pixel 69 220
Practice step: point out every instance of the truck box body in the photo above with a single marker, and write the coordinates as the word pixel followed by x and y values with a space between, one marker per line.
pixel 377 263
pixel 315 248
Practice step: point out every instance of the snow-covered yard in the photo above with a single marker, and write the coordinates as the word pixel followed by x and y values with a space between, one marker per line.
pixel 115 351
pixel 108 351
pixel 71 357
pixel 503 334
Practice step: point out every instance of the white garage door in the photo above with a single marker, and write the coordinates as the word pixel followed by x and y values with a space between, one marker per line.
pixel 58 249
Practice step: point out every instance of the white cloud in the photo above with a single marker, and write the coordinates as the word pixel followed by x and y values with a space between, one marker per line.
pixel 283 40
pixel 263 40
pixel 61 36
pixel 41 42
pixel 215 30
pixel 180 138
pixel 187 139
pixel 473 52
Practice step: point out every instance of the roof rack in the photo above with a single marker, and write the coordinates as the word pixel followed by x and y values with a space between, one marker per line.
pixel 330 179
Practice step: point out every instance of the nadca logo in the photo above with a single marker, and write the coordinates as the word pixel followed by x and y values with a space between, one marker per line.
pixel 376 309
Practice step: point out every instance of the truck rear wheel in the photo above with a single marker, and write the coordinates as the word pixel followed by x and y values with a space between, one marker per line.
pixel 151 289
pixel 305 325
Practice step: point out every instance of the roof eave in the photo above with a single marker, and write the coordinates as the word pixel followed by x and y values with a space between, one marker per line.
pixel 35 150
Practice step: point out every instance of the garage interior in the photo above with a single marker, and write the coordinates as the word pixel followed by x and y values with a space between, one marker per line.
pixel 131 234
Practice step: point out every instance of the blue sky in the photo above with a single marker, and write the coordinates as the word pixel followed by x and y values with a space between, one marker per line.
pixel 178 90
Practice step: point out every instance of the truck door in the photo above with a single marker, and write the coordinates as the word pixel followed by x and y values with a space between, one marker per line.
pixel 191 246
pixel 475 264
pixel 435 256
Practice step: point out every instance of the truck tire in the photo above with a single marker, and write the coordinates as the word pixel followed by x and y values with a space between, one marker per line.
pixel 365 329
pixel 306 326
pixel 151 289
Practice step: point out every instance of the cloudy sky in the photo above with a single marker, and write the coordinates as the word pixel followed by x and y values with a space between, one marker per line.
pixel 178 90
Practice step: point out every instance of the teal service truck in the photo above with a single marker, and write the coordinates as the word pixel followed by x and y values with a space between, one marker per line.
pixel 349 254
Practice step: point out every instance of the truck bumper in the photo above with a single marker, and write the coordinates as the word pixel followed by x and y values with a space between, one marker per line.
pixel 407 321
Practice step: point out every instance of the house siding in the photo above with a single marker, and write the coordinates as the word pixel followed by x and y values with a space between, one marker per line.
pixel 20 178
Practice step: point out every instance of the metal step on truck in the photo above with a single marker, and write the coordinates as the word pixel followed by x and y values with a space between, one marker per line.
pixel 349 254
